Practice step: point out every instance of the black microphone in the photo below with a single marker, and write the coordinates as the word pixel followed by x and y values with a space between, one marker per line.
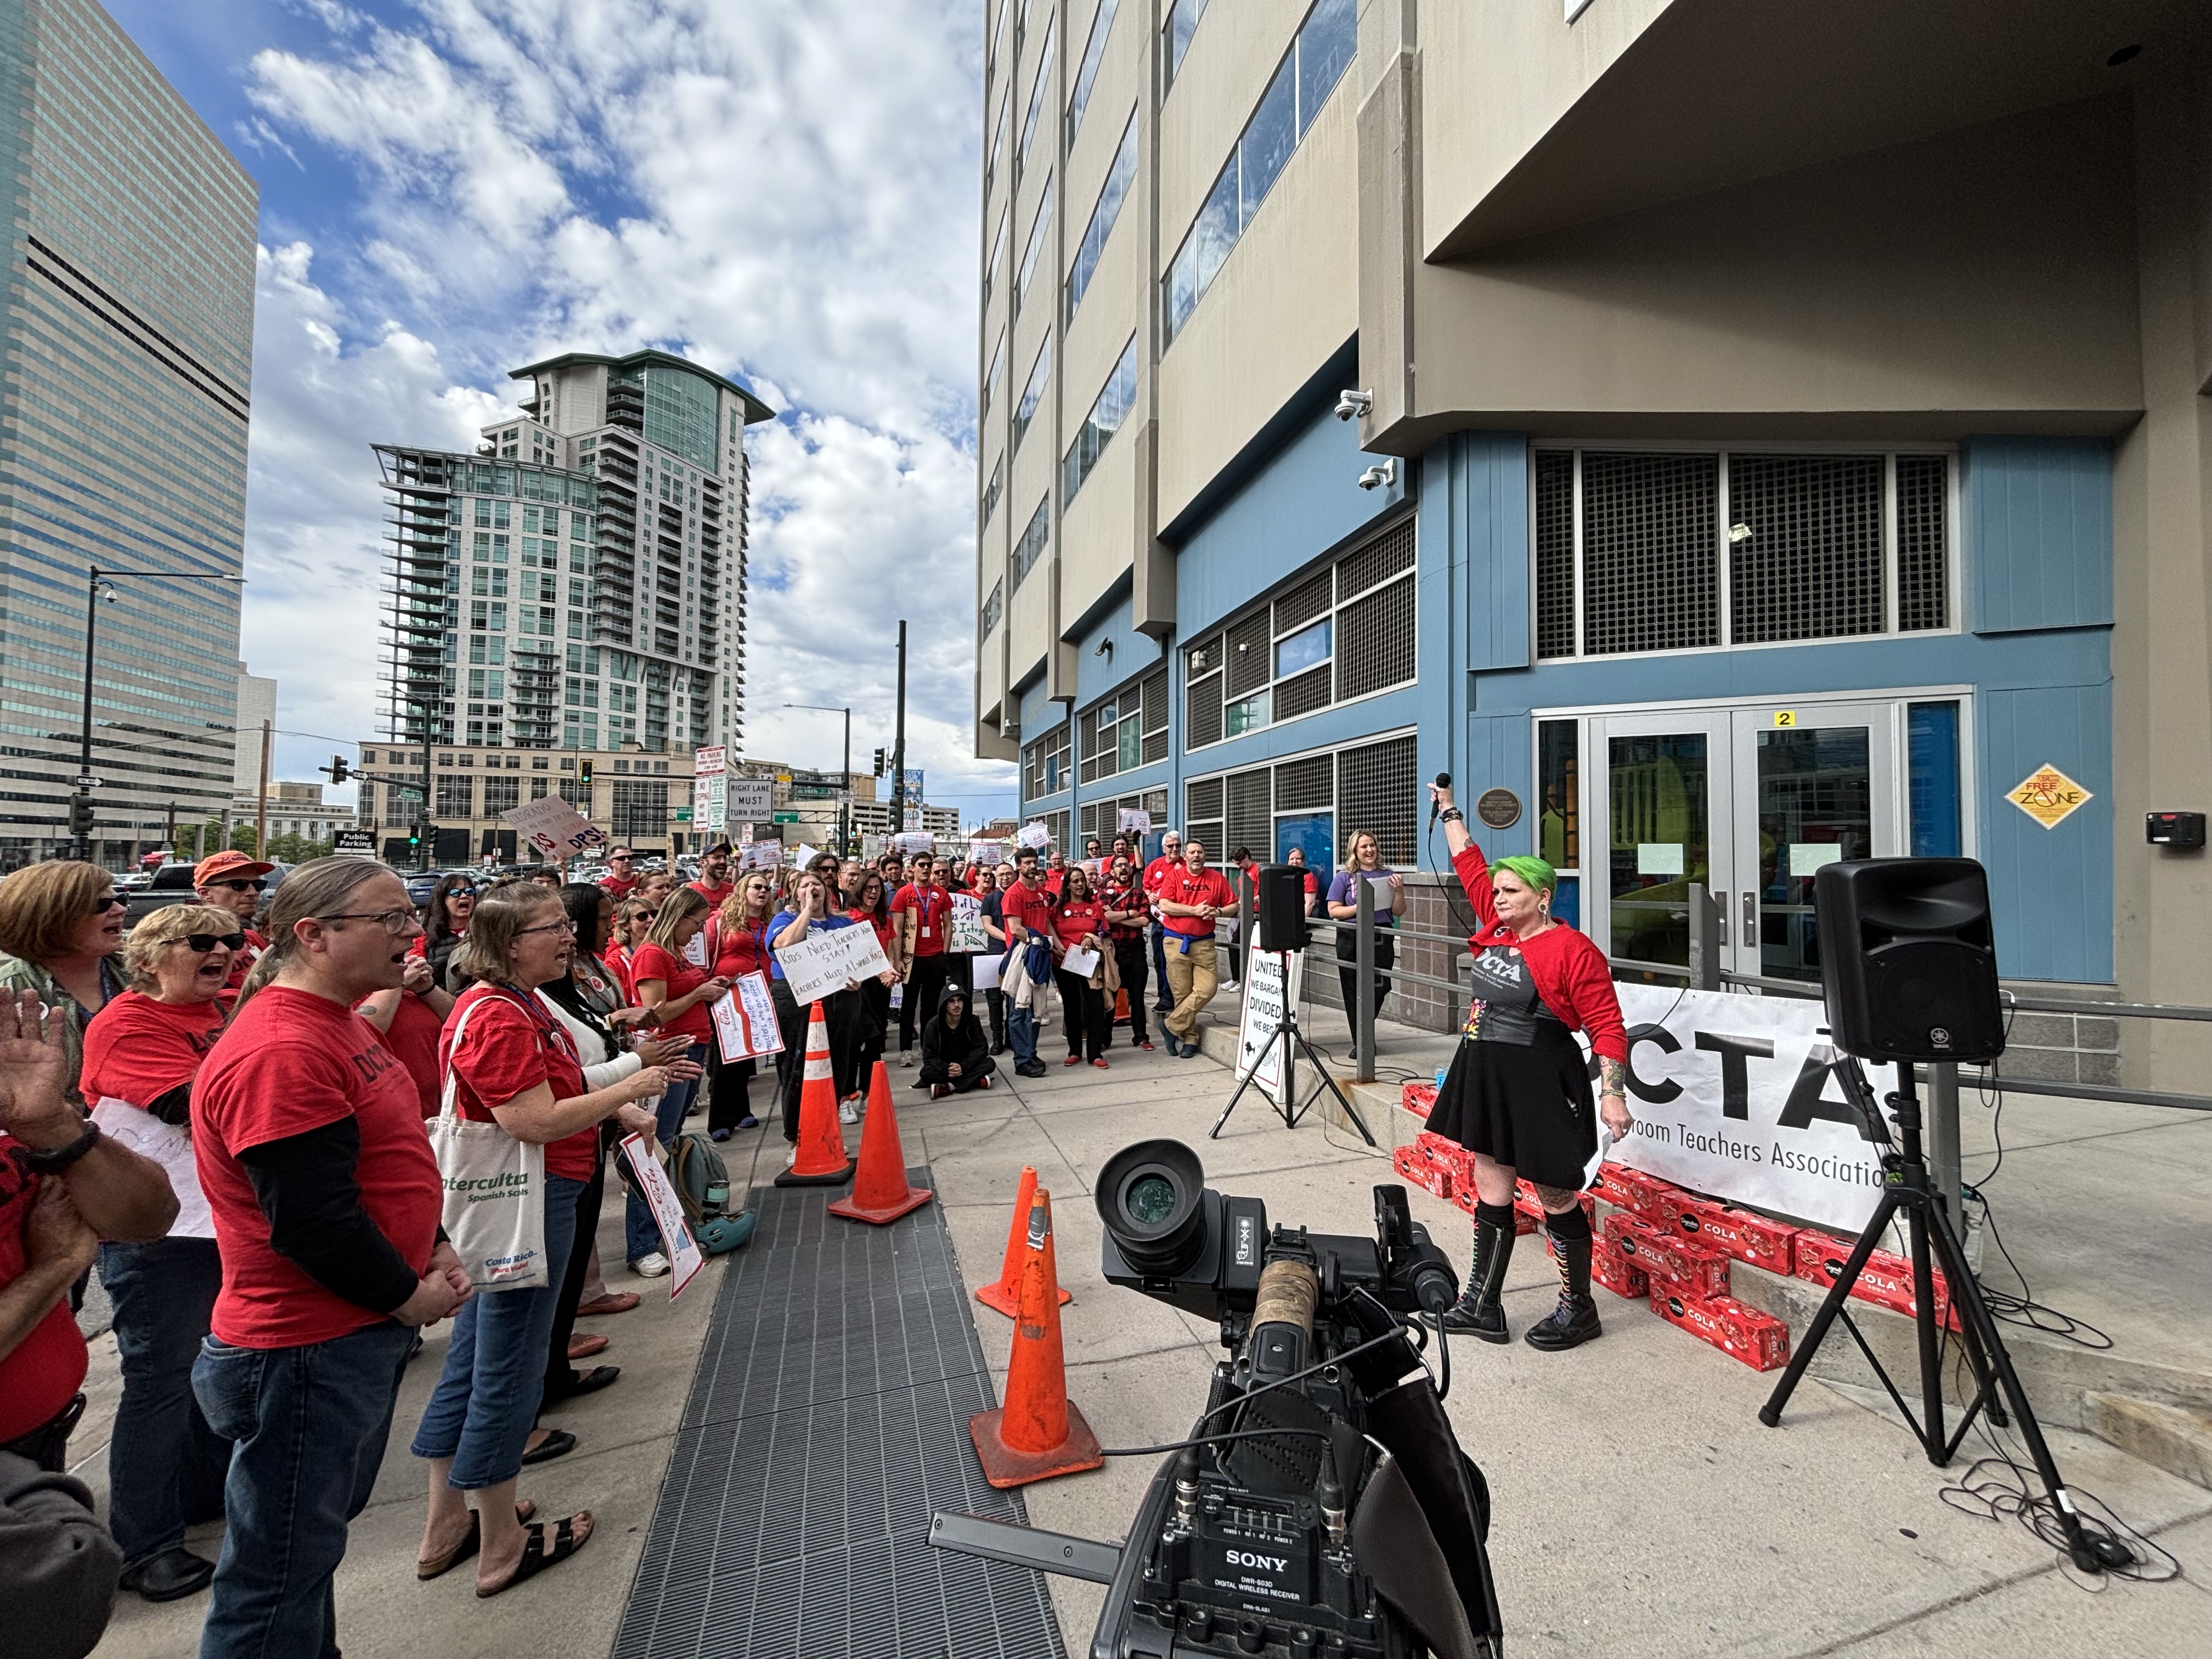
pixel 1444 782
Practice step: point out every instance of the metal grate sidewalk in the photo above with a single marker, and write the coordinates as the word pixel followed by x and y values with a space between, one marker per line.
pixel 828 1418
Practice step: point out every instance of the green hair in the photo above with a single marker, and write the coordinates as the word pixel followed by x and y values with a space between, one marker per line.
pixel 1531 870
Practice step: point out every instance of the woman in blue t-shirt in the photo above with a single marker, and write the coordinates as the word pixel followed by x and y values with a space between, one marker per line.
pixel 1363 861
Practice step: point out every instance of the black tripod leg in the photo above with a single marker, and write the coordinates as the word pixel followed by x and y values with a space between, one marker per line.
pixel 1927 1332
pixel 1839 1293
pixel 1242 1084
pixel 1350 1110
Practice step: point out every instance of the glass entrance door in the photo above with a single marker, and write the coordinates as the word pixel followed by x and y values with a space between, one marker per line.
pixel 1812 785
pixel 1667 826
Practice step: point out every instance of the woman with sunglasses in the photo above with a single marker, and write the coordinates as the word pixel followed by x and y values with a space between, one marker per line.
pixel 633 921
pixel 679 992
pixel 165 1465
pixel 230 880
pixel 61 926
pixel 737 942
pixel 872 1012
pixel 445 924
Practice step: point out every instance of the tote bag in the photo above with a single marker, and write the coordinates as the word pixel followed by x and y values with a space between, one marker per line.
pixel 494 1212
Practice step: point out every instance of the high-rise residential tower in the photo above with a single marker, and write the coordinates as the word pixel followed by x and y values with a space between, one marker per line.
pixel 579 581
pixel 125 361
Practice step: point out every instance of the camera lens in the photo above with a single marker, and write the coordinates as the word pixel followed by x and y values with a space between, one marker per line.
pixel 1149 1197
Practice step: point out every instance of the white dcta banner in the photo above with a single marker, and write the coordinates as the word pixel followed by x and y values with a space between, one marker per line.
pixel 1737 1096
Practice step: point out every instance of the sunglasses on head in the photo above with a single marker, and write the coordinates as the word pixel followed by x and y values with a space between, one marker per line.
pixel 200 944
pixel 243 884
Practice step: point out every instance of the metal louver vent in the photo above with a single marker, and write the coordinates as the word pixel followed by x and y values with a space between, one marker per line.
pixel 1201 714
pixel 1383 557
pixel 1374 791
pixel 1811 566
pixel 1301 696
pixel 1650 569
pixel 1305 785
pixel 1301 604
pixel 1923 585
pixel 1555 553
pixel 1251 664
pixel 1155 694
pixel 1375 642
pixel 1250 818
pixel 1202 800
pixel 1094 764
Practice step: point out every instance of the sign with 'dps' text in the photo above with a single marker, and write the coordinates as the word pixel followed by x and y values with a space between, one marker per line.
pixel 554 827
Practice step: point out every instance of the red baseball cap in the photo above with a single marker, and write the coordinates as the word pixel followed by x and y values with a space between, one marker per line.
pixel 228 866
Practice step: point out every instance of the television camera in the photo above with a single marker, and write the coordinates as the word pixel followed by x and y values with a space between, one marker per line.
pixel 1321 1508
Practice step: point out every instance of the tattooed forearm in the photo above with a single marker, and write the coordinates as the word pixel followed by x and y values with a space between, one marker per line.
pixel 1615 1075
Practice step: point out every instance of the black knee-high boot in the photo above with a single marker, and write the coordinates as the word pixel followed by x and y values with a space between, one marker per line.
pixel 1477 1310
pixel 1574 1321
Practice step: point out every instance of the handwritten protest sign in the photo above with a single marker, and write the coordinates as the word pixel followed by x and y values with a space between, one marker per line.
pixel 744 1020
pixel 829 960
pixel 554 827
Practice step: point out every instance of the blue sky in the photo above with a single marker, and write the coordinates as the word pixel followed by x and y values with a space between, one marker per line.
pixel 785 190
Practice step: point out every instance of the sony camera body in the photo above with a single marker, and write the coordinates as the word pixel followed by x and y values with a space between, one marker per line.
pixel 1335 1515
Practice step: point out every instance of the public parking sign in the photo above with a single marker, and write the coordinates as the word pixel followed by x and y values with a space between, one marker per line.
pixel 354 841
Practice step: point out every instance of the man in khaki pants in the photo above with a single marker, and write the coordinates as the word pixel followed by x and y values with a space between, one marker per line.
pixel 1189 899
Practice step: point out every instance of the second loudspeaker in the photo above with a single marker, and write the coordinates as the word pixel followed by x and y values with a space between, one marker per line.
pixel 1282 907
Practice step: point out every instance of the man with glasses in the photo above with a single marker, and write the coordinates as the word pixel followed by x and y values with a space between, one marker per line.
pixel 621 879
pixel 231 881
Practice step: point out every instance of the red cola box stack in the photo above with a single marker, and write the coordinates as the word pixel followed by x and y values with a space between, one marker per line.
pixel 1758 1339
pixel 1419 1098
pixel 1683 1244
pixel 1886 1281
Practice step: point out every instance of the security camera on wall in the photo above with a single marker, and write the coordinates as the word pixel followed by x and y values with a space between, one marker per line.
pixel 1352 404
pixel 1376 476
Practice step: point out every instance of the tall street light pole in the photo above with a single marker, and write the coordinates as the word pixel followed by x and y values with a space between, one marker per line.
pixel 898 743
pixel 98 587
pixel 845 814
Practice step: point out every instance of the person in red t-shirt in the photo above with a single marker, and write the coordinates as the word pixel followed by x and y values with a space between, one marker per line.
pixel 682 992
pixel 713 884
pixel 922 910
pixel 165 1465
pixel 737 945
pixel 871 1015
pixel 1127 911
pixel 621 879
pixel 510 1061
pixel 308 1138
pixel 1296 857
pixel 1025 912
pixel 232 881
pixel 1189 901
pixel 1156 871
pixel 1078 921
pixel 634 920
pixel 411 1020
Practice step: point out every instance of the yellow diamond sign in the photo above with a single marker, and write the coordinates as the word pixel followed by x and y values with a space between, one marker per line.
pixel 2048 796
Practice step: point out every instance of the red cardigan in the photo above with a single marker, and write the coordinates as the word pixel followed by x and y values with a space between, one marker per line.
pixel 1569 972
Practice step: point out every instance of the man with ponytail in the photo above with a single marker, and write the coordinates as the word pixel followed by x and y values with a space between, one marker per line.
pixel 308 1136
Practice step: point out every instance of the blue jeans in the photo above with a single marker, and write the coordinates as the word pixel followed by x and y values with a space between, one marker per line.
pixel 165 1465
pixel 1160 967
pixel 480 1413
pixel 640 1234
pixel 310 1423
pixel 1021 1031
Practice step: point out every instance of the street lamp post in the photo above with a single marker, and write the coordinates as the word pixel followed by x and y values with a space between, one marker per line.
pixel 98 587
pixel 845 814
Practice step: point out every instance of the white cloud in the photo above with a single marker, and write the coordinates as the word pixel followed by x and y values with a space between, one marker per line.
pixel 782 188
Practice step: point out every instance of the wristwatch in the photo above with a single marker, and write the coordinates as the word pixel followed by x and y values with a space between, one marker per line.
pixel 58 1158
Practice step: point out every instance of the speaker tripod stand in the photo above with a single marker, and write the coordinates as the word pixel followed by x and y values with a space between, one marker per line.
pixel 1909 1189
pixel 1292 1041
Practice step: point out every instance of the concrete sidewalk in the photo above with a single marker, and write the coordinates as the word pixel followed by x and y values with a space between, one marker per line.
pixel 1639 1506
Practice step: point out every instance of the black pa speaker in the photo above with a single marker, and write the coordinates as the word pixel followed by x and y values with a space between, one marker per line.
pixel 1281 902
pixel 1907 959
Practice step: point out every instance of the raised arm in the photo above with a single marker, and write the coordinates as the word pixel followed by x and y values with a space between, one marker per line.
pixel 1467 862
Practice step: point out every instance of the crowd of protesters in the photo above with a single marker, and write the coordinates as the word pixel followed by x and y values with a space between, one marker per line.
pixel 227 1112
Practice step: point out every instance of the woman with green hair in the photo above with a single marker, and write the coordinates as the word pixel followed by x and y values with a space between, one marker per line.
pixel 1517 1096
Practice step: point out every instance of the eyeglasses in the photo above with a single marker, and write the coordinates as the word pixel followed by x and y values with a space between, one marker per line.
pixel 568 927
pixel 253 884
pixel 200 944
pixel 460 892
pixel 396 922
pixel 101 907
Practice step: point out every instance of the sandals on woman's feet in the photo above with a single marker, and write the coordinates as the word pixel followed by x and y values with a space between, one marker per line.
pixel 536 1558
pixel 469 1545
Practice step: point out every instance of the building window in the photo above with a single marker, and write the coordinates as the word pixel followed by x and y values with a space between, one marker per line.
pixel 1126 730
pixel 1175 38
pixel 501 795
pixel 1111 194
pixel 1114 401
pixel 993 608
pixel 457 798
pixel 640 807
pixel 1035 248
pixel 1645 551
pixel 1102 25
pixel 1032 545
pixel 996 372
pixel 1308 74
pixel 991 492
pixel 1102 818
pixel 1033 393
pixel 1316 801
pixel 998 140
pixel 1044 764
pixel 1038 82
pixel 1348 630
pixel 998 252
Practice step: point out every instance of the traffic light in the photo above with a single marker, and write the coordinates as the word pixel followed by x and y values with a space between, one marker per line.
pixel 414 837
pixel 883 760
pixel 80 818
pixel 338 768
pixel 584 774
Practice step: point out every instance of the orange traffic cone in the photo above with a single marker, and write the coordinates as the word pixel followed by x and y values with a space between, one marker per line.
pixel 881 1194
pixel 1005 1294
pixel 1038 1432
pixel 1120 1006
pixel 822 1161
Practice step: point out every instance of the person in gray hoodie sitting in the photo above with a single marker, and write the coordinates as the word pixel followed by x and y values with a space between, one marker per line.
pixel 955 1050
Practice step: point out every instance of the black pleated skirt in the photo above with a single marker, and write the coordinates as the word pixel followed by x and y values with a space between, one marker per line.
pixel 1527 1107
